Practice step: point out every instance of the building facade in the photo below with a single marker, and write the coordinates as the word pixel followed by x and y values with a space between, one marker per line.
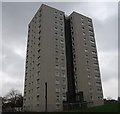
pixel 46 61
pixel 61 62
pixel 84 60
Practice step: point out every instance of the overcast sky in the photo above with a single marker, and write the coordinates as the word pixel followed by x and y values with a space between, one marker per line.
pixel 15 19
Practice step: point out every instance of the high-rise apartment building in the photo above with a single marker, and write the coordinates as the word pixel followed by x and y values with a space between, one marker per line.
pixel 61 62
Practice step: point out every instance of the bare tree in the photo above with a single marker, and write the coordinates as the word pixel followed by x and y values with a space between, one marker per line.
pixel 13 99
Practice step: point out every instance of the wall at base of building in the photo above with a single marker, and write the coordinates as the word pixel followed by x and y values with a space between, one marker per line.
pixel 0 105
pixel 50 108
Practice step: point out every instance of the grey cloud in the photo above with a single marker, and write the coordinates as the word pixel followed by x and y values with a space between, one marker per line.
pixel 12 64
pixel 18 85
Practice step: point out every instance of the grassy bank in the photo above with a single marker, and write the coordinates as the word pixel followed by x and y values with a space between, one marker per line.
pixel 112 107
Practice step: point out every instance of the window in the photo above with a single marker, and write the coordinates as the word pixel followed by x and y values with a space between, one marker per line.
pixel 96 64
pixel 89 21
pixel 39 26
pixel 63 81
pixel 91 97
pixel 38 57
pixel 63 90
pixel 83 28
pixel 38 89
pixel 61 29
pixel 93 46
pixel 73 44
pixel 89 83
pixel 89 76
pixel 72 33
pixel 62 41
pixel 57 73
pixel 39 51
pixel 39 31
pixel 75 69
pixel 55 22
pixel 91 36
pixel 37 105
pixel 62 65
pixel 64 98
pixel 56 39
pixel 87 61
pixel 38 97
pixel 62 59
pixel 90 89
pixel 62 46
pixel 63 73
pixel 96 70
pixel 62 53
pixel 55 12
pixel 86 50
pixel 61 34
pixel 39 38
pixel 57 60
pixel 83 33
pixel 61 24
pixel 55 17
pixel 85 43
pixel 61 19
pixel 82 18
pixel 95 58
pixel 82 23
pixel 88 69
pixel 56 33
pixel 56 28
pixel 92 41
pixel 57 66
pixel 99 89
pixel 40 15
pixel 97 76
pixel 38 44
pixel 71 27
pixel 57 81
pixel 98 83
pixel 73 55
pixel 93 52
pixel 57 89
pixel 38 72
pixel 84 38
pixel 90 26
pixel 40 10
pixel 91 30
pixel 57 105
pixel 56 52
pixel 57 98
pixel 38 80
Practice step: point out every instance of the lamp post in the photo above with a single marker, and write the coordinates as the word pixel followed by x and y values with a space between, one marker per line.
pixel 45 96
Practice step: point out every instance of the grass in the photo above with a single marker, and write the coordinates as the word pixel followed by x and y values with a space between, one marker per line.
pixel 112 107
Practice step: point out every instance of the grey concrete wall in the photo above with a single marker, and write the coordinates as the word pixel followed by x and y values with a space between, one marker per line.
pixel 84 45
pixel 52 60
